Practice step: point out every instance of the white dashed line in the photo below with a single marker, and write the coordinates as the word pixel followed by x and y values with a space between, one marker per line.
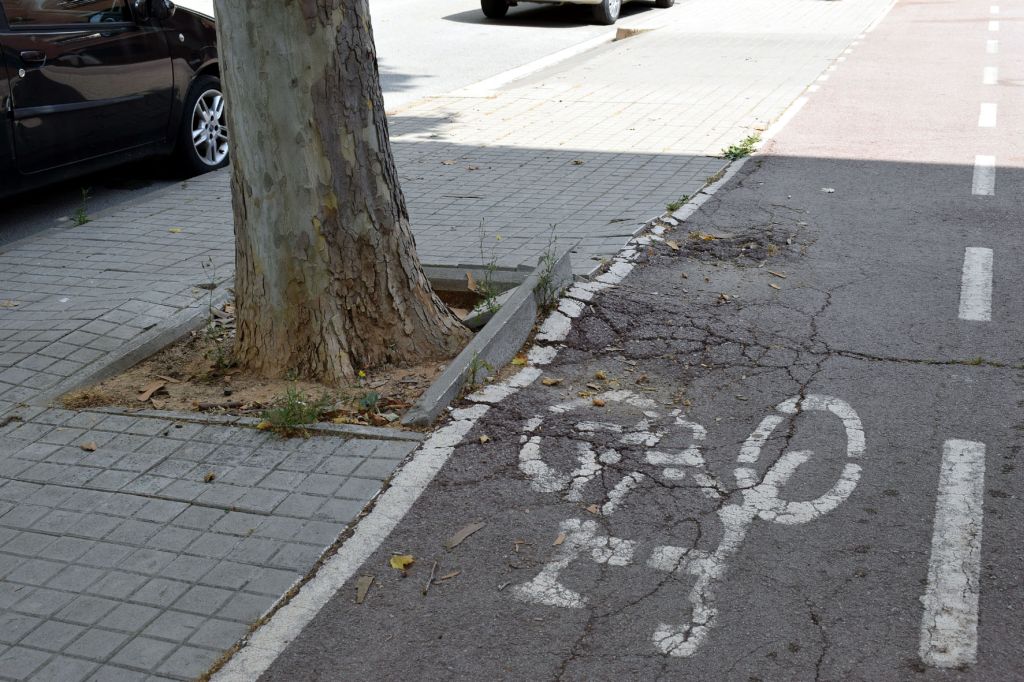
pixel 993 25
pixel 949 628
pixel 993 9
pixel 987 116
pixel 976 285
pixel 992 47
pixel 984 176
pixel 990 76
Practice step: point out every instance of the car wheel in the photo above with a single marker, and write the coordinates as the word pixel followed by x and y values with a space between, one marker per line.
pixel 664 4
pixel 494 9
pixel 607 12
pixel 203 141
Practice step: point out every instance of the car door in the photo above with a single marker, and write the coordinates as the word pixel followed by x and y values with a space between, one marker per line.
pixel 7 179
pixel 86 80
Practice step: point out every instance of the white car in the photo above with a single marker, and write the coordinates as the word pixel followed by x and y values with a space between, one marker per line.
pixel 605 11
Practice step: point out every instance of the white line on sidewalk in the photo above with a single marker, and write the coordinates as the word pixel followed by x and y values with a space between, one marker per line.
pixel 990 76
pixel 984 176
pixel 949 628
pixel 976 285
pixel 987 117
pixel 992 47
pixel 993 9
pixel 993 25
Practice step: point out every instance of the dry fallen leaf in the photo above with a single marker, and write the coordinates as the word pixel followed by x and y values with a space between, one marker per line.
pixel 401 562
pixel 594 509
pixel 774 286
pixel 780 275
pixel 448 162
pixel 362 587
pixel 9 303
pixel 472 168
pixel 89 447
pixel 550 381
pixel 175 230
pixel 208 478
pixel 584 394
pixel 519 360
pixel 263 425
pixel 559 540
pixel 470 282
pixel 485 439
pixel 672 245
pixel 598 402
pixel 456 540
pixel 147 391
pixel 449 576
pixel 600 375
pixel 577 162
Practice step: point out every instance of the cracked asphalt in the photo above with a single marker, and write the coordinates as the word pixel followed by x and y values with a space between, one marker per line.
pixel 800 345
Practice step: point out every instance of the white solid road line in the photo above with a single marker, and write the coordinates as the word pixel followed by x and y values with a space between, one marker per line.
pixel 993 25
pixel 984 176
pixel 990 76
pixel 987 117
pixel 949 627
pixel 992 47
pixel 976 285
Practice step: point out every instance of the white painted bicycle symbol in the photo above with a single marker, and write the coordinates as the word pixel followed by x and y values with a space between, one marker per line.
pixel 761 499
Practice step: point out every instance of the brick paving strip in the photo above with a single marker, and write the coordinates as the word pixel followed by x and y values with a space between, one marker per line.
pixel 123 563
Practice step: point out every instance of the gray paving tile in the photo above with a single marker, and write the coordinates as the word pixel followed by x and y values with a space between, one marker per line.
pixel 14 626
pixel 143 652
pixel 52 635
pixel 18 663
pixel 96 644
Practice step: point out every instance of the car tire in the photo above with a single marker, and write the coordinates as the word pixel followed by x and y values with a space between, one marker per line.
pixel 664 4
pixel 203 138
pixel 607 12
pixel 494 9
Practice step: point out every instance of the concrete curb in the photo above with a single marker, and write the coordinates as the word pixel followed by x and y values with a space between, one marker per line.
pixel 319 429
pixel 138 349
pixel 496 344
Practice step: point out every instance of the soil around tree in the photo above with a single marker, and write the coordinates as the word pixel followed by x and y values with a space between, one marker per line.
pixel 197 374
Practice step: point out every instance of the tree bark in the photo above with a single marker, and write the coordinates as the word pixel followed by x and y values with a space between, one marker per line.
pixel 327 278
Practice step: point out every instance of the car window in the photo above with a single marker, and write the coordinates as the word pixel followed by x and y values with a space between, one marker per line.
pixel 60 12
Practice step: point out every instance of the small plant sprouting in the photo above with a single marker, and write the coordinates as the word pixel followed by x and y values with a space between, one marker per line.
pixel 487 287
pixel 370 403
pixel 476 366
pixel 81 216
pixel 546 292
pixel 677 204
pixel 744 148
pixel 292 412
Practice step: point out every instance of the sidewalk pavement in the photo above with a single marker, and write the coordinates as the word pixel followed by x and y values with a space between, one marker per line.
pixel 124 558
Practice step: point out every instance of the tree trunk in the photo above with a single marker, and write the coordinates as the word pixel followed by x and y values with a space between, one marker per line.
pixel 327 278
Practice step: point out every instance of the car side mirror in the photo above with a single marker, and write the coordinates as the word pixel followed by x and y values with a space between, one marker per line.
pixel 161 9
pixel 152 9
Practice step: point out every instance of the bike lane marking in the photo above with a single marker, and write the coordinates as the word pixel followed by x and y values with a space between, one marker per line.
pixel 708 568
pixel 987 115
pixel 984 183
pixel 976 285
pixel 949 627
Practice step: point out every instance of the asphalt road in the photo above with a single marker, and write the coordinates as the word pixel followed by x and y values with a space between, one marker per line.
pixel 838 497
pixel 424 48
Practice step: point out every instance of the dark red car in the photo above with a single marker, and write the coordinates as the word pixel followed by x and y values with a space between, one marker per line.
pixel 86 84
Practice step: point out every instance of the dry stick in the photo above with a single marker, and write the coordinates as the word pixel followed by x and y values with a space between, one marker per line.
pixel 430 580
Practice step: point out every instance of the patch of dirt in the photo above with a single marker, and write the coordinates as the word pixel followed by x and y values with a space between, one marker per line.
pixel 196 374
